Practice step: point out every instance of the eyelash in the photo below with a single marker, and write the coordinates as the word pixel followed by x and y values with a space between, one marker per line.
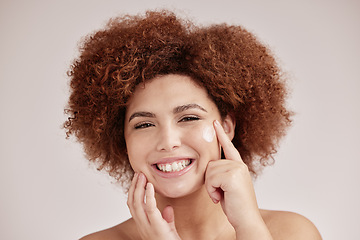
pixel 184 119
pixel 143 125
pixel 189 118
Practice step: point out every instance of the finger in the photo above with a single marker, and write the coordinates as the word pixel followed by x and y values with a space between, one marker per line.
pixel 216 194
pixel 139 191
pixel 138 203
pixel 131 192
pixel 169 216
pixel 134 210
pixel 153 213
pixel 214 180
pixel 132 188
pixel 230 151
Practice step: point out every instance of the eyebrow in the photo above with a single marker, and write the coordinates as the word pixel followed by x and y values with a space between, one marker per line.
pixel 141 114
pixel 175 111
pixel 188 106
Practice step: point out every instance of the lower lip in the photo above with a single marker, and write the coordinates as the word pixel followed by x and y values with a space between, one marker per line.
pixel 173 174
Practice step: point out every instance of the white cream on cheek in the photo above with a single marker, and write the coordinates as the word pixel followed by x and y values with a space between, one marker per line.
pixel 208 133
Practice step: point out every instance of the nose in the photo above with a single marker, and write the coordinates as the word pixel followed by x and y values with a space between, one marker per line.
pixel 168 138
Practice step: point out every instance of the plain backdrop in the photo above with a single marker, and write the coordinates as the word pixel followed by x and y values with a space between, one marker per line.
pixel 48 189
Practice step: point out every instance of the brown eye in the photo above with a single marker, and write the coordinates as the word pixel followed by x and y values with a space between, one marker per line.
pixel 143 125
pixel 189 118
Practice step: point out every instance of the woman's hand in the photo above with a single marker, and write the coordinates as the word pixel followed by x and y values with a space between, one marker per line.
pixel 150 222
pixel 229 182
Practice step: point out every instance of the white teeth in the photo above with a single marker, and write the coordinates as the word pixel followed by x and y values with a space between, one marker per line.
pixel 173 167
pixel 168 168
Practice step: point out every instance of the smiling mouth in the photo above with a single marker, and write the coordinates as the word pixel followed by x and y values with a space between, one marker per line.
pixel 174 166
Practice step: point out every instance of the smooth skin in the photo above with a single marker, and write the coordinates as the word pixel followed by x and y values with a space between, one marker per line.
pixel 215 199
pixel 223 180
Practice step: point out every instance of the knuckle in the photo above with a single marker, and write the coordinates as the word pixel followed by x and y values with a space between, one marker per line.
pixel 129 202
pixel 234 177
pixel 229 144
pixel 150 210
pixel 136 204
pixel 243 167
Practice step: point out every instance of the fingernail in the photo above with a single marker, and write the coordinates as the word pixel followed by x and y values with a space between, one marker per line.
pixel 216 122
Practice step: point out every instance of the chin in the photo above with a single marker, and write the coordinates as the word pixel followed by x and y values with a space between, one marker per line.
pixel 176 191
pixel 172 195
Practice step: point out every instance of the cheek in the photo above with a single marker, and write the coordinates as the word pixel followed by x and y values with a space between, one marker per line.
pixel 132 161
pixel 208 134
pixel 204 139
pixel 203 134
pixel 134 152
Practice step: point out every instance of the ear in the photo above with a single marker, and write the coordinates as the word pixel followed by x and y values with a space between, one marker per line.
pixel 229 124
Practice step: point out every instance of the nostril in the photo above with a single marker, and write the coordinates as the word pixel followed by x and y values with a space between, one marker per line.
pixel 168 137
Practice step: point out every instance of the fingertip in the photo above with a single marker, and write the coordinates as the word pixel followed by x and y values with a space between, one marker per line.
pixel 150 197
pixel 149 186
pixel 141 181
pixel 168 214
pixel 217 124
pixel 142 177
pixel 150 190
pixel 133 182
pixel 219 129
pixel 215 196
pixel 135 176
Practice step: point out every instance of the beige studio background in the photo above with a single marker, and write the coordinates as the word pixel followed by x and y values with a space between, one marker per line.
pixel 48 190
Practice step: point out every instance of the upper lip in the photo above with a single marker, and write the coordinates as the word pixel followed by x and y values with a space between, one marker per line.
pixel 172 159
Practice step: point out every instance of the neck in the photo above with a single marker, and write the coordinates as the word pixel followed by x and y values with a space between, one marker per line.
pixel 196 216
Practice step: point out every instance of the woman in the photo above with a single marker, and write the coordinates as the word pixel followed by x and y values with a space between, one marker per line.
pixel 190 114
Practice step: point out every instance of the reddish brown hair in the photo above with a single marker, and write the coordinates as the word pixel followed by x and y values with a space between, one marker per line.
pixel 239 73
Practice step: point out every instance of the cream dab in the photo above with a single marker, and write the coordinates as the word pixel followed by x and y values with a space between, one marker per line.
pixel 208 134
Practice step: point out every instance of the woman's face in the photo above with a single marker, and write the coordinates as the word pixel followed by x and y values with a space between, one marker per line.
pixel 169 133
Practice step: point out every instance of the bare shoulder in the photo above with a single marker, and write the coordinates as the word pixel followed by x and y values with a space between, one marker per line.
pixel 125 230
pixel 289 225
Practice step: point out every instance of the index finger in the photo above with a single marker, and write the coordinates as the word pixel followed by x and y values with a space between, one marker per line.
pixel 230 152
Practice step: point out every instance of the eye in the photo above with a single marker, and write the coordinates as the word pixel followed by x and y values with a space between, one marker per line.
pixel 143 125
pixel 189 118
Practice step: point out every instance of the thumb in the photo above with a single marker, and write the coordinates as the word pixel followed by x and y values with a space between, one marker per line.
pixel 216 194
pixel 168 215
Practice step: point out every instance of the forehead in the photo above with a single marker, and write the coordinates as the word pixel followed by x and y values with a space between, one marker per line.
pixel 168 91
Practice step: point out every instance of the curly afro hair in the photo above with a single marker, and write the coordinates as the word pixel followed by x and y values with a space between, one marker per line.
pixel 239 73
